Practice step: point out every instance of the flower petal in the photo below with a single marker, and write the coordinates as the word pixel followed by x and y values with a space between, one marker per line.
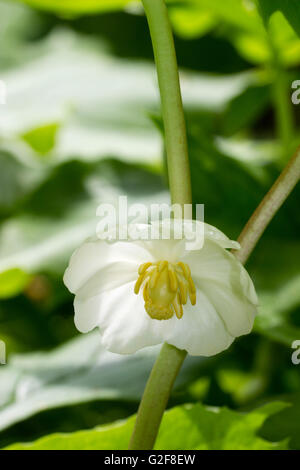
pixel 109 277
pixel 87 314
pixel 94 255
pixel 215 263
pixel 232 306
pixel 124 325
pixel 214 234
pixel 227 285
pixel 201 331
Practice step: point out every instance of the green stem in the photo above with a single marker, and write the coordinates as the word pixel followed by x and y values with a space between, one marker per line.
pixel 171 101
pixel 170 359
pixel 156 396
pixel 283 111
pixel 268 207
pixel 281 99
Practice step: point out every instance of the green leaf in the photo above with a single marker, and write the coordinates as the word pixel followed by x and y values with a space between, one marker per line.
pixel 216 179
pixel 189 21
pixel 253 48
pixel 282 23
pixel 285 424
pixel 17 179
pixel 42 139
pixel 200 427
pixel 16 22
pixel 289 8
pixel 223 168
pixel 183 428
pixel 87 7
pixel 240 23
pixel 242 386
pixel 97 121
pixel 235 13
pixel 13 282
pixel 78 7
pixel 77 372
pixel 273 320
pixel 244 109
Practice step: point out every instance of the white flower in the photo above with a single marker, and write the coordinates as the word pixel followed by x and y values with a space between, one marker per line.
pixel 142 293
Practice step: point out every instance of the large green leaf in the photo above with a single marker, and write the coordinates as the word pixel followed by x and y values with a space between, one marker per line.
pixel 99 116
pixel 240 22
pixel 190 20
pixel 78 7
pixel 17 179
pixel 86 7
pixel 243 110
pixel 102 103
pixel 193 18
pixel 17 22
pixel 183 428
pixel 285 424
pixel 274 320
pixel 12 282
pixel 217 178
pixel 78 372
pixel 235 13
pixel 289 8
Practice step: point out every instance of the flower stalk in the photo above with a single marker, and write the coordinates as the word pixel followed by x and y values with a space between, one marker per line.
pixel 170 359
pixel 283 111
pixel 156 396
pixel 171 101
pixel 268 207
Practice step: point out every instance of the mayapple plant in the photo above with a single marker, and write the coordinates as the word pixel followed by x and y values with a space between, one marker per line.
pixel 141 293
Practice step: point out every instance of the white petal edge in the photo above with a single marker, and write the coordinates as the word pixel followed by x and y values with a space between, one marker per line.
pixel 124 325
pixel 109 277
pixel 201 332
pixel 94 255
pixel 213 263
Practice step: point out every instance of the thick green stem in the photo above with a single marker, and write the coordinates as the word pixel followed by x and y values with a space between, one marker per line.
pixel 171 101
pixel 268 207
pixel 170 359
pixel 156 396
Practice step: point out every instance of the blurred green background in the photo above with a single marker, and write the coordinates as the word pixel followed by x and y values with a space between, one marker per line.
pixel 82 125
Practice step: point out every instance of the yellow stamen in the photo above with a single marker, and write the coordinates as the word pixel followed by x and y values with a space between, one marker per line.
pixel 178 307
pixel 183 292
pixel 166 288
pixel 143 268
pixel 191 285
pixel 173 280
pixel 154 278
pixel 162 265
pixel 193 298
pixel 139 282
pixel 185 268
pixel 145 293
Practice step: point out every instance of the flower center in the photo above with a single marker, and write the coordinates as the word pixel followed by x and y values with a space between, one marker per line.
pixel 166 287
